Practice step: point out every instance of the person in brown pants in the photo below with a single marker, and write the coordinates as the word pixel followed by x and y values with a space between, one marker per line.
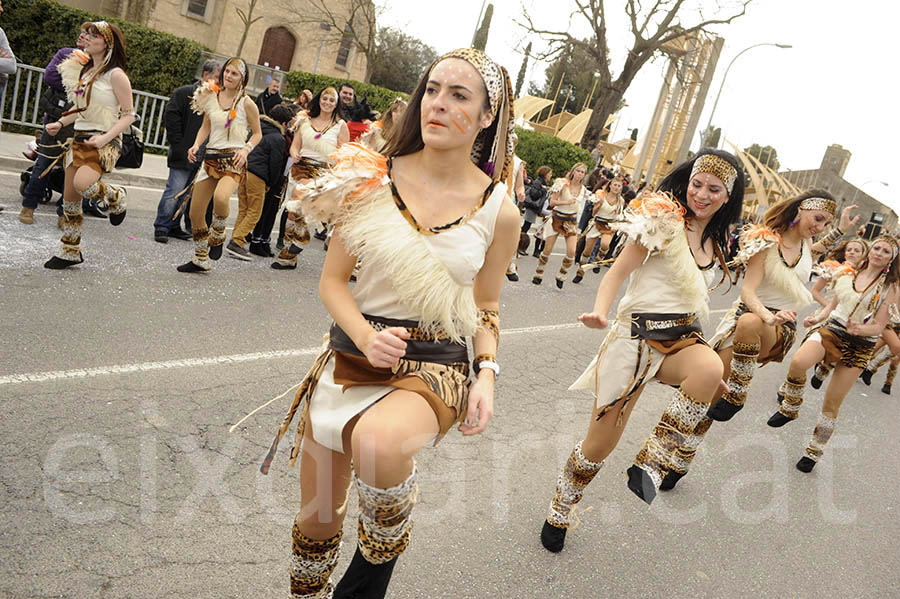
pixel 265 169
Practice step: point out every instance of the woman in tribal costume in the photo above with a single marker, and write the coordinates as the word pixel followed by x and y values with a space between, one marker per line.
pixel 567 196
pixel 674 235
pixel 607 208
pixel 778 256
pixel 228 114
pixel 862 305
pixel 395 374
pixel 317 134
pixel 103 109
pixel 381 131
pixel 850 252
pixel 882 355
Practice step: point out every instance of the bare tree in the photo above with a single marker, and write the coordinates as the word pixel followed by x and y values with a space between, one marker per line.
pixel 652 28
pixel 248 20
pixel 350 20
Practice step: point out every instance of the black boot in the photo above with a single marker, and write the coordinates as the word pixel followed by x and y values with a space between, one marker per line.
pixel 723 410
pixel 671 479
pixel 364 580
pixel 778 420
pixel 538 246
pixel 640 483
pixel 816 382
pixel 806 464
pixel 866 376
pixel 57 263
pixel 886 389
pixel 552 538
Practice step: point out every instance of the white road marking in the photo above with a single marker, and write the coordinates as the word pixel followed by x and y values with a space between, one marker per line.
pixel 78 373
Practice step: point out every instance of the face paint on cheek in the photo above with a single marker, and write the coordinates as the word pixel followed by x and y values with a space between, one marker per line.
pixel 458 126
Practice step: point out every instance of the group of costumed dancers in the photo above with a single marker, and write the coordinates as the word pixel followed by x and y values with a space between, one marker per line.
pixel 425 220
pixel 394 375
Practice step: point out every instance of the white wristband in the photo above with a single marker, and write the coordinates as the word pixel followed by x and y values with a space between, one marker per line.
pixel 490 366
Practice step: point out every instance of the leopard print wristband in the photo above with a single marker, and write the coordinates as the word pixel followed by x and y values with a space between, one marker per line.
pixel 490 322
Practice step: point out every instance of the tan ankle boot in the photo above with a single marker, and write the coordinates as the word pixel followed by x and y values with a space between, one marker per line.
pixel 26 216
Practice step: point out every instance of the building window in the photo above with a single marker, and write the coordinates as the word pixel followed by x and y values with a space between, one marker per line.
pixel 198 9
pixel 343 55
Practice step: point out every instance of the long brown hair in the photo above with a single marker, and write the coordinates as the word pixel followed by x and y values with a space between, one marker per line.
pixel 839 253
pixel 389 126
pixel 893 272
pixel 781 215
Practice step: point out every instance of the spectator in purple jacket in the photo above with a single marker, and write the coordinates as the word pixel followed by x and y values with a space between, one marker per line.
pixel 53 103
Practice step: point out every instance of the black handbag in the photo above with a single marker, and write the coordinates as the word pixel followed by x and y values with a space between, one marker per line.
pixel 132 154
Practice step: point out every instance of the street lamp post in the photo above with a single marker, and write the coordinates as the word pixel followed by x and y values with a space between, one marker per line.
pixel 722 85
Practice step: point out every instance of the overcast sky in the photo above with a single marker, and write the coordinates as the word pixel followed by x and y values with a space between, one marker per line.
pixel 833 86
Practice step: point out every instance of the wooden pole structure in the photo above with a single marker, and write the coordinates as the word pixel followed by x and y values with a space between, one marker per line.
pixel 590 97
pixel 556 95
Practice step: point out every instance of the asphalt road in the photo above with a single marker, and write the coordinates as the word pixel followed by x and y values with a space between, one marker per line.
pixel 119 477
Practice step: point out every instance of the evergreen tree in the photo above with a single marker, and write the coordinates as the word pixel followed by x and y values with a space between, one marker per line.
pixel 481 36
pixel 521 78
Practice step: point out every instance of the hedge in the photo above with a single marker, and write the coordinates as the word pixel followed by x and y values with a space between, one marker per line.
pixel 157 62
pixel 379 98
pixel 538 149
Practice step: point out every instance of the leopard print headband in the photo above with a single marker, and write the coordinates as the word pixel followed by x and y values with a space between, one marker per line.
pixel 718 167
pixel 494 156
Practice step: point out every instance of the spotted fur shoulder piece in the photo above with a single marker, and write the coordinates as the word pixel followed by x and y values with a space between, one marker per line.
pixel 355 172
pixel 753 240
pixel 205 99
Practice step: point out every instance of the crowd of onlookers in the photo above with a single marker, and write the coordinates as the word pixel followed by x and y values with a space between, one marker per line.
pixel 268 165
pixel 265 186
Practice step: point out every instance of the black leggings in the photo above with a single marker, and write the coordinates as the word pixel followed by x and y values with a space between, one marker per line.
pixel 525 226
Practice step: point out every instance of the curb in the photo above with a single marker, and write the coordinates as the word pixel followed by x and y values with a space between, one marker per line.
pixel 120 177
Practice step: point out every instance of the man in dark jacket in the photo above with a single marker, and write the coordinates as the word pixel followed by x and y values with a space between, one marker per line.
pixel 265 170
pixel 182 125
pixel 269 98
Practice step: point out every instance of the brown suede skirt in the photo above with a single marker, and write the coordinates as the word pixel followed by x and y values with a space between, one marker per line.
pixel 103 160
pixel 567 226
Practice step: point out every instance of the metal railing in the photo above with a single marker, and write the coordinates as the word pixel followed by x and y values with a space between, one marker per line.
pixel 20 106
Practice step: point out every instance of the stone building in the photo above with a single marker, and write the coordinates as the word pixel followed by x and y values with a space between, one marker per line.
pixel 278 39
pixel 830 177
